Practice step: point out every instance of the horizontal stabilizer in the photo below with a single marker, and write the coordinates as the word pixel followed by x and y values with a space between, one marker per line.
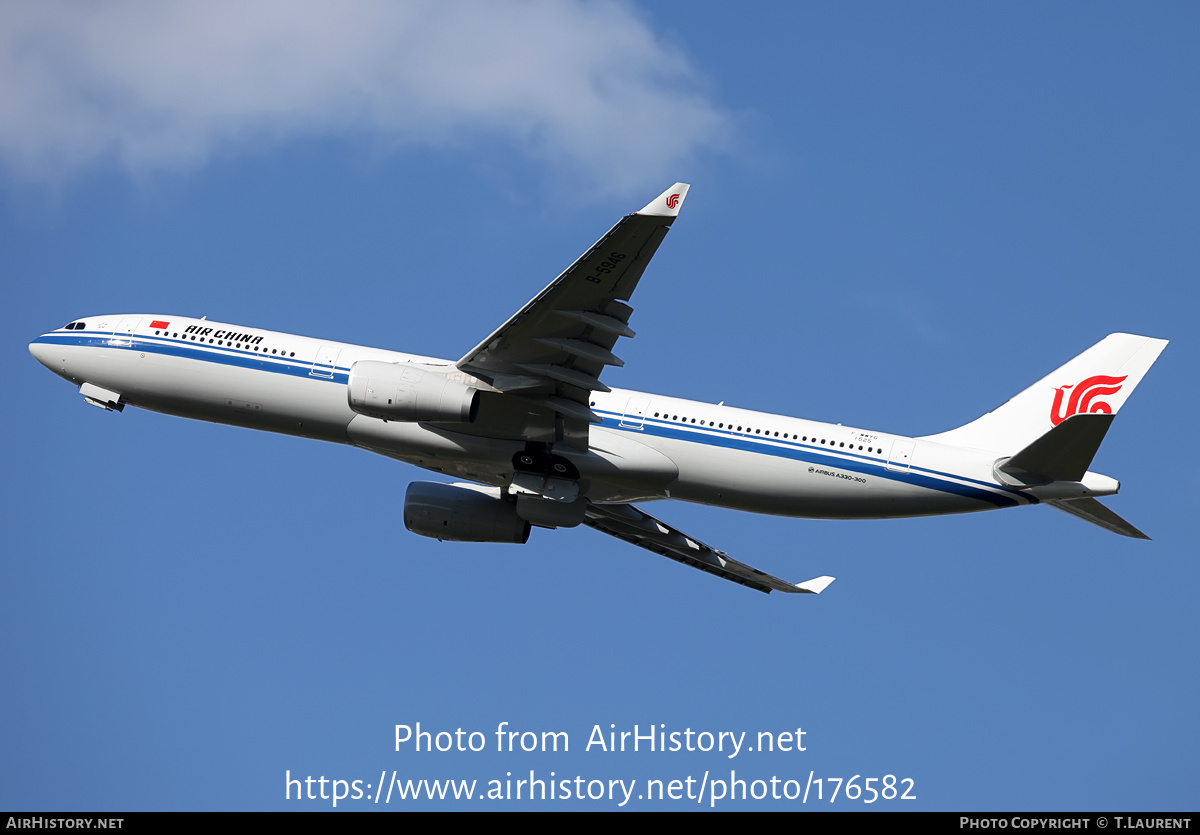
pixel 1062 454
pixel 1090 510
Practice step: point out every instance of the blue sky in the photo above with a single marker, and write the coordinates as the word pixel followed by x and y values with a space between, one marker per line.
pixel 899 217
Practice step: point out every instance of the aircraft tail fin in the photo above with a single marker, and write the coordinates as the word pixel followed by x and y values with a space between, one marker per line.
pixel 1090 510
pixel 1097 382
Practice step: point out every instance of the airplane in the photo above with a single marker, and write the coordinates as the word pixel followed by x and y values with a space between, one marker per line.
pixel 539 441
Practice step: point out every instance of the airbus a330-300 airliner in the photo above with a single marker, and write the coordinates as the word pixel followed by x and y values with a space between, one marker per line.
pixel 524 419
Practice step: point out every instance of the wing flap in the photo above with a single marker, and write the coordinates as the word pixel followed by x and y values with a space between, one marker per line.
pixel 563 374
pixel 599 320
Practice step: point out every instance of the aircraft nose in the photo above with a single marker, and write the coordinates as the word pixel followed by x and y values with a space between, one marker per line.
pixel 42 353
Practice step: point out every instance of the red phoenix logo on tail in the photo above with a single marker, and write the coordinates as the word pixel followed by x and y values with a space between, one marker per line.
pixel 672 201
pixel 1081 398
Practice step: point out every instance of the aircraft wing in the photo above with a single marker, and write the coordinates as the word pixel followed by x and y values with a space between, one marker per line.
pixel 553 350
pixel 627 522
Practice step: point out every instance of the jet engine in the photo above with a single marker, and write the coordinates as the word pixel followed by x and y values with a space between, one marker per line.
pixel 404 391
pixel 462 513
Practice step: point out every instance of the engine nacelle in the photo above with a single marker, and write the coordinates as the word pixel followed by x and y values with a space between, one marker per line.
pixel 462 513
pixel 402 391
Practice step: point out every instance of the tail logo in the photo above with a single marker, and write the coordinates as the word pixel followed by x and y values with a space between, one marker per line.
pixel 672 201
pixel 1083 398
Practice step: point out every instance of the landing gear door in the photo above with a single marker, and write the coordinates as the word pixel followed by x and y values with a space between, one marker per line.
pixel 635 413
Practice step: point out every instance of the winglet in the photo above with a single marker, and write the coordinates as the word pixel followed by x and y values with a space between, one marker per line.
pixel 815 585
pixel 668 203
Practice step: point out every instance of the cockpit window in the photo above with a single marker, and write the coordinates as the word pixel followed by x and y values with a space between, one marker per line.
pixel 75 326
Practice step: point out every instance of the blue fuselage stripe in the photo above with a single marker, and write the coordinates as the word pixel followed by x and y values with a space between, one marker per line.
pixel 797 451
pixel 222 355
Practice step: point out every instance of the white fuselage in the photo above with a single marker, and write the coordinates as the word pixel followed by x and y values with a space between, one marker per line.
pixel 647 446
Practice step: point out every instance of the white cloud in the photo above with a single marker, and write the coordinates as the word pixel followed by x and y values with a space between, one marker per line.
pixel 153 85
